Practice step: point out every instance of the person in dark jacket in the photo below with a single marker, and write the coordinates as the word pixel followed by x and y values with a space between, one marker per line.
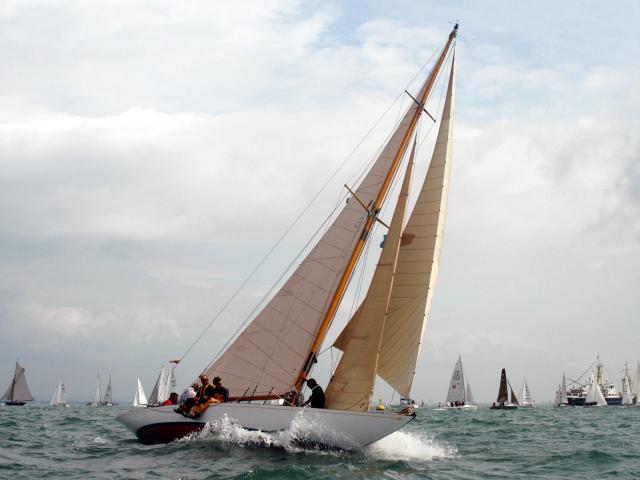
pixel 316 399
pixel 220 392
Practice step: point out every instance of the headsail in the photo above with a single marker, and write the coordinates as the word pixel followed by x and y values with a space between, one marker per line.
pixel 96 393
pixel 272 354
pixel 469 400
pixel 155 393
pixel 140 398
pixel 563 390
pixel 417 264
pixel 514 399
pixel 594 394
pixel 456 391
pixel 626 392
pixel 18 390
pixel 352 383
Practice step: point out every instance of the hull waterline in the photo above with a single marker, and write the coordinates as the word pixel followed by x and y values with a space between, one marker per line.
pixel 333 428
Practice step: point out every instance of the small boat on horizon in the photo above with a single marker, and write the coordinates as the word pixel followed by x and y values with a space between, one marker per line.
pixel 459 396
pixel 59 398
pixel 561 394
pixel 502 402
pixel 594 394
pixel 140 399
pixel 18 392
pixel 527 401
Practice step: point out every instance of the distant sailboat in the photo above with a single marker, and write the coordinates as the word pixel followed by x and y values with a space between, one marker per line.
pixel 108 395
pixel 18 392
pixel 627 399
pixel 96 394
pixel 527 401
pixel 502 402
pixel 140 399
pixel 561 394
pixel 273 356
pixel 59 398
pixel 458 395
pixel 163 387
pixel 594 394
pixel 470 400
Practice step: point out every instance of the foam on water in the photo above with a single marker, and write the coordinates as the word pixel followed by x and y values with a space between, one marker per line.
pixel 409 446
pixel 306 435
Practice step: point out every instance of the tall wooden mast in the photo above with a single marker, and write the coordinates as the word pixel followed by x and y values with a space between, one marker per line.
pixel 373 213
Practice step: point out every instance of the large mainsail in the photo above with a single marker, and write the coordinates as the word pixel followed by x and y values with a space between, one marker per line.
pixel 417 264
pixel 18 391
pixel 271 355
pixel 626 392
pixel 456 391
pixel 352 383
pixel 526 394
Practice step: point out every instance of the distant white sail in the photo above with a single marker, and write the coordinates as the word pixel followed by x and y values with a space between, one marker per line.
pixel 155 393
pixel 626 392
pixel 59 397
pixel 140 400
pixel 108 394
pixel 456 391
pixel 469 400
pixel 18 390
pixel 637 384
pixel 96 393
pixel 594 394
pixel 558 400
pixel 563 391
pixel 527 401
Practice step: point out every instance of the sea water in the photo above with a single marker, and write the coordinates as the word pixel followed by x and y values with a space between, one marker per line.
pixel 79 442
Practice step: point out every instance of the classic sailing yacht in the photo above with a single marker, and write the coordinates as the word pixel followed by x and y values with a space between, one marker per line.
pixel 18 392
pixel 140 399
pixel 59 398
pixel 503 403
pixel 274 355
pixel 527 401
pixel 458 397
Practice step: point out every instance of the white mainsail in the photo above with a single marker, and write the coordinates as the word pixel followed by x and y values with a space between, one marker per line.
pixel 155 393
pixel 557 401
pixel 417 264
pixel 59 397
pixel 96 394
pixel 456 391
pixel 626 392
pixel 268 357
pixel 527 401
pixel 469 400
pixel 140 399
pixel 18 390
pixel 563 391
pixel 594 394
pixel 352 383
pixel 108 394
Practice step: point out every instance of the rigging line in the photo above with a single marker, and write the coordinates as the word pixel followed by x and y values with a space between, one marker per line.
pixel 268 293
pixel 300 215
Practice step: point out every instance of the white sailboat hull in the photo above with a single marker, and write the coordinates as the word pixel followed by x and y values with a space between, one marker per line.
pixel 463 407
pixel 334 428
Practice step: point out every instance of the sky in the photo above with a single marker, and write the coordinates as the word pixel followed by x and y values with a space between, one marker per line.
pixel 151 153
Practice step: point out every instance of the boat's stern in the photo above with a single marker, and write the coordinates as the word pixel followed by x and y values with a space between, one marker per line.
pixel 158 424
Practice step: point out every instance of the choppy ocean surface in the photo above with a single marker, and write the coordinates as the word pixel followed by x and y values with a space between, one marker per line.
pixel 83 442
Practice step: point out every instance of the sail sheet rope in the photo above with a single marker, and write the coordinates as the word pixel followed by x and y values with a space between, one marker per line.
pixel 295 222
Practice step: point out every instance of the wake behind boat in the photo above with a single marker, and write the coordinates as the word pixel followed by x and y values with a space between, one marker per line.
pixel 274 355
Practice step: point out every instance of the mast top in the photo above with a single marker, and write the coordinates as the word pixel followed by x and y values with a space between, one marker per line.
pixel 454 32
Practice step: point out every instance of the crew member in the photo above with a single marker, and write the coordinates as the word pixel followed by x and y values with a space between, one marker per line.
pixel 317 395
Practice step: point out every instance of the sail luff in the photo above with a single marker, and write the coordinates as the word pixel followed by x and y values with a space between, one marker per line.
pixel 277 349
pixel 351 385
